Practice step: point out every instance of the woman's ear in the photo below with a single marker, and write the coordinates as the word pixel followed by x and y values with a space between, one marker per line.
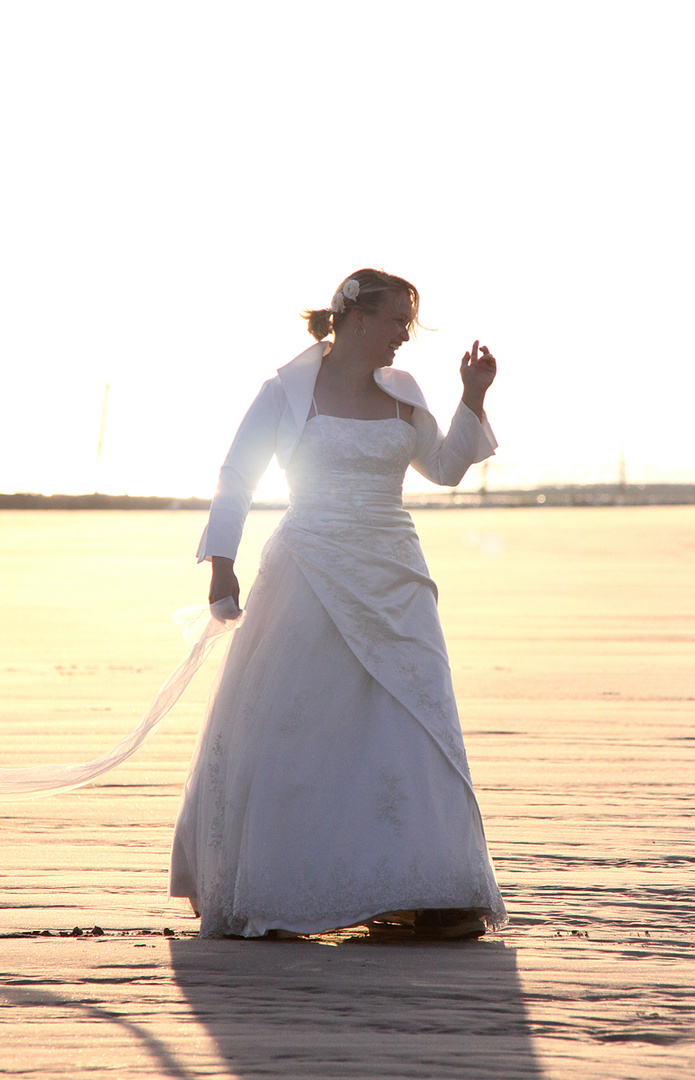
pixel 357 322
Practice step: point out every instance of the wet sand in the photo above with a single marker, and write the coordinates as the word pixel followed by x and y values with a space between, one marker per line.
pixel 571 635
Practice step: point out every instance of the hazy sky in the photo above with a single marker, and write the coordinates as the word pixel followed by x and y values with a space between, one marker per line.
pixel 179 180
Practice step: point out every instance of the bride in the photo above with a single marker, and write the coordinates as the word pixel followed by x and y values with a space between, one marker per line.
pixel 330 785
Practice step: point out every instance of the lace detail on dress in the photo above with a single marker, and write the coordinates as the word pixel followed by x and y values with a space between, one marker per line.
pixel 324 463
pixel 390 798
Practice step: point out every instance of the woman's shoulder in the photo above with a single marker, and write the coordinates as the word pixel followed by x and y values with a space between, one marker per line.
pixel 307 362
pixel 271 392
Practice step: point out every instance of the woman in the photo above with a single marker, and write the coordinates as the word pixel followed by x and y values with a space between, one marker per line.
pixel 330 785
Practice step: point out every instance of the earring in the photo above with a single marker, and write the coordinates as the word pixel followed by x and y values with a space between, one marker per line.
pixel 363 332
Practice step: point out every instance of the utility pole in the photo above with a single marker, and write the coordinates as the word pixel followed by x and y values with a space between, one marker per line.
pixel 622 471
pixel 102 428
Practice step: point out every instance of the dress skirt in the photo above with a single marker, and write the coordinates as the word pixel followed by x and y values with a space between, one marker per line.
pixel 315 798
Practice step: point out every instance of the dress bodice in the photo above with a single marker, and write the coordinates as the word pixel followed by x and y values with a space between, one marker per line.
pixel 338 459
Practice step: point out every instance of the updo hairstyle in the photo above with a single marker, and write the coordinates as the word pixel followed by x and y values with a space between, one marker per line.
pixel 374 284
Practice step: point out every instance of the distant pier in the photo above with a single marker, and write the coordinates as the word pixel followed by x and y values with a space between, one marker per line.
pixel 545 495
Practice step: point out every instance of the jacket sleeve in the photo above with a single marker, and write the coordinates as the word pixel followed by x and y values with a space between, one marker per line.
pixel 247 460
pixel 444 459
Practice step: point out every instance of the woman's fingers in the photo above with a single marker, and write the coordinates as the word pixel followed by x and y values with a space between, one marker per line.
pixel 224 583
pixel 484 357
pixel 472 356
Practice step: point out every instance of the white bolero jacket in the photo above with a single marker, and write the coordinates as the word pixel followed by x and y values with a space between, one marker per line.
pixel 274 425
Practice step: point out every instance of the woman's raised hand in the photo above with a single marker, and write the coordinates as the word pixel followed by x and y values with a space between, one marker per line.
pixel 477 373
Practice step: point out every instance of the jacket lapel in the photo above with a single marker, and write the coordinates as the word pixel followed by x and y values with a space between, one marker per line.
pixel 298 379
pixel 401 385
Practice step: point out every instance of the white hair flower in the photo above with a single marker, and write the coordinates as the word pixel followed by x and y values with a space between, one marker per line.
pixel 349 291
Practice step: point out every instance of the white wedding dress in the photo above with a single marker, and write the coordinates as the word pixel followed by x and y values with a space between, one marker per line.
pixel 330 782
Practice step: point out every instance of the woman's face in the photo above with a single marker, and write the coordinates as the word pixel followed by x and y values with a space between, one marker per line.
pixel 387 328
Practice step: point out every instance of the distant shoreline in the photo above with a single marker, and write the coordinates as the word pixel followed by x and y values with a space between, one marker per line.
pixel 543 495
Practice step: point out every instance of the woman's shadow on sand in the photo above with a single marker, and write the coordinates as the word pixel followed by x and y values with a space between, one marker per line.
pixel 350 1006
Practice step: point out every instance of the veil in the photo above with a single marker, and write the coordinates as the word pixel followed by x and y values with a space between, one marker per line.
pixel 201 628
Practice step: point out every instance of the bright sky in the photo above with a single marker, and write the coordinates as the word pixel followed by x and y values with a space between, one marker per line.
pixel 180 179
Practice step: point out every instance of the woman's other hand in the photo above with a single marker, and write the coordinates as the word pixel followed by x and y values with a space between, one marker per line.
pixel 224 580
pixel 477 373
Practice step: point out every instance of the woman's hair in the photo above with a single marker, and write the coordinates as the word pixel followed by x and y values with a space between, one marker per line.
pixel 373 286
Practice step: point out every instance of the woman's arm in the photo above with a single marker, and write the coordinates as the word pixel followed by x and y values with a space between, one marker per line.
pixel 444 459
pixel 247 460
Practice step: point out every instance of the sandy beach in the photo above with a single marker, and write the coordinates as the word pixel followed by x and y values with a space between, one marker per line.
pixel 571 635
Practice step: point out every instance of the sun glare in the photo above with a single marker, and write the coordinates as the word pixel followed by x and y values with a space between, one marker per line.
pixel 180 183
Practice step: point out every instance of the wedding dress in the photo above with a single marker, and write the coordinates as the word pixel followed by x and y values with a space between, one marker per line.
pixel 330 783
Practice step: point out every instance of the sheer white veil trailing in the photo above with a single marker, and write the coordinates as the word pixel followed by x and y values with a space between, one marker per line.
pixel 201 628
